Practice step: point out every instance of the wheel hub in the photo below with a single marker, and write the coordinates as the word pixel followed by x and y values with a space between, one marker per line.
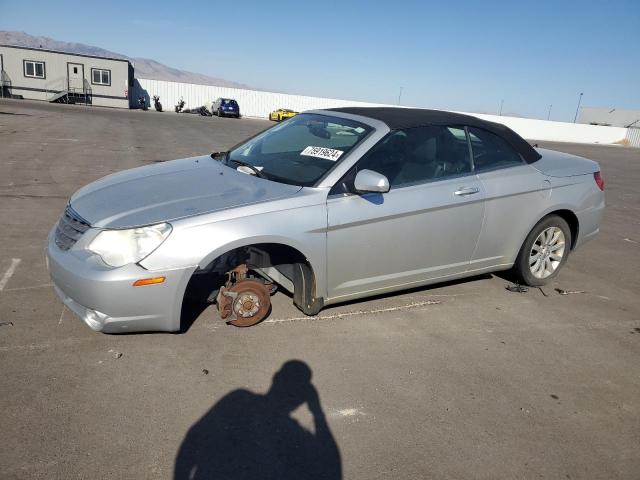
pixel 246 305
pixel 243 301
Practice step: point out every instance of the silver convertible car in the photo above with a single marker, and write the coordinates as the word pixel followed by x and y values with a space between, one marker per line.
pixel 330 205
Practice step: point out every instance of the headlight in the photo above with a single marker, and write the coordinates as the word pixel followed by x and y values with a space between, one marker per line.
pixel 120 247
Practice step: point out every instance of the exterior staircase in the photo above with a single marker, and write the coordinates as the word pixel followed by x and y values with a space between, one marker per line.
pixel 5 85
pixel 59 92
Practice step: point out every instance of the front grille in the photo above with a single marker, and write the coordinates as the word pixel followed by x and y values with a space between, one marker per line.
pixel 70 228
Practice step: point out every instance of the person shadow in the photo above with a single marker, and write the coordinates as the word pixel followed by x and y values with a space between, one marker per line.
pixel 252 436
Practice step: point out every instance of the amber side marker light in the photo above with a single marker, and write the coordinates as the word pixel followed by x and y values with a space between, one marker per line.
pixel 148 281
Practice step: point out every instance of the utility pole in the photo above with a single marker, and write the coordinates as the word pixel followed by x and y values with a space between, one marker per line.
pixel 578 109
pixel 549 114
pixel 500 109
pixel 399 95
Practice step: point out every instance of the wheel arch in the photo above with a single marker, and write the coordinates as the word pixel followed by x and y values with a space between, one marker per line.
pixel 210 273
pixel 572 220
pixel 564 212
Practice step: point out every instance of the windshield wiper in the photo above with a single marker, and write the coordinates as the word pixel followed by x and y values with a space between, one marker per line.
pixel 256 170
pixel 224 157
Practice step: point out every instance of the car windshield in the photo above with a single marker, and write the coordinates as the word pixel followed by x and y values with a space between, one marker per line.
pixel 228 101
pixel 302 149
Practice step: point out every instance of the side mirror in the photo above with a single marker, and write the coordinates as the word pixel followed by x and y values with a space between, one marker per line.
pixel 370 181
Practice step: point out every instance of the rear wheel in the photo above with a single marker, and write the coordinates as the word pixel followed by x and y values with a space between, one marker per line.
pixel 544 252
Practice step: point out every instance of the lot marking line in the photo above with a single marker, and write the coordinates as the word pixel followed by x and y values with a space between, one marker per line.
pixel 24 195
pixel 64 307
pixel 9 273
pixel 357 312
pixel 348 412
pixel 32 347
pixel 33 287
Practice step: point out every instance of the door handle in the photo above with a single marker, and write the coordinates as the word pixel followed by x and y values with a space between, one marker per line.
pixel 462 191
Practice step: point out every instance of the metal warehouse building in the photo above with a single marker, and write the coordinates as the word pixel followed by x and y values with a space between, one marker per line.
pixel 62 77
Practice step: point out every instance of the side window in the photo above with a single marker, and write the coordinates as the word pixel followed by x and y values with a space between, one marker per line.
pixel 418 155
pixel 34 69
pixel 491 151
pixel 100 76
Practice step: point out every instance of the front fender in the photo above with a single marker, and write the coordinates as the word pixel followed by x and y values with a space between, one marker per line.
pixel 197 244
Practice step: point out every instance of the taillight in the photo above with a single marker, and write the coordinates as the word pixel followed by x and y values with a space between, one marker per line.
pixel 599 181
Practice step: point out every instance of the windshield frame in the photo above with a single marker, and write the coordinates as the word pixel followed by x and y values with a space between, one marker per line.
pixel 369 123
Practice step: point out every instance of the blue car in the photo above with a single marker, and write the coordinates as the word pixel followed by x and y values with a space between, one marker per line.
pixel 225 107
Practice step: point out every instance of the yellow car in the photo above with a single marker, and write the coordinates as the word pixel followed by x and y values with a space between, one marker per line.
pixel 281 114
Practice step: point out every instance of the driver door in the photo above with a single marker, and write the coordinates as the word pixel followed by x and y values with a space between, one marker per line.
pixel 425 227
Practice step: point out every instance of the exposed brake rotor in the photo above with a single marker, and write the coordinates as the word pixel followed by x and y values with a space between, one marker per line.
pixel 244 302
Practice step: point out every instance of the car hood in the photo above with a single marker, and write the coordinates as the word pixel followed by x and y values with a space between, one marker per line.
pixel 170 190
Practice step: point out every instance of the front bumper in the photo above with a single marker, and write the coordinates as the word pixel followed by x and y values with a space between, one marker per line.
pixel 104 297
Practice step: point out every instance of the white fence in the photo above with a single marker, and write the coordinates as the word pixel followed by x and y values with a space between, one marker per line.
pixel 560 131
pixel 255 103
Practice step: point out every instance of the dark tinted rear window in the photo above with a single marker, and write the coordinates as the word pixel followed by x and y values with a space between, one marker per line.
pixel 491 151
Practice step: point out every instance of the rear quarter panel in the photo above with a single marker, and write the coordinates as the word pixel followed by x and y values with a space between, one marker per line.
pixel 581 195
pixel 516 198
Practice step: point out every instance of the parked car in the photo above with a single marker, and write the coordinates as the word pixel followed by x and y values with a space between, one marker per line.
pixel 225 107
pixel 281 114
pixel 332 205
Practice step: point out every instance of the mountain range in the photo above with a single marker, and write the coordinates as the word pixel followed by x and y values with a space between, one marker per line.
pixel 144 67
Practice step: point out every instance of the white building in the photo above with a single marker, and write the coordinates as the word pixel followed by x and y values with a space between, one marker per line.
pixel 62 77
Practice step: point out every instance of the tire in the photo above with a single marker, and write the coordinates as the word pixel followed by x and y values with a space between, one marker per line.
pixel 550 240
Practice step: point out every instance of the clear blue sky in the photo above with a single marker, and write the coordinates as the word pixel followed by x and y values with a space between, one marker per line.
pixel 446 54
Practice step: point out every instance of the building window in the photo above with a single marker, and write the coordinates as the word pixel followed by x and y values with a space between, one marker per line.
pixel 100 76
pixel 34 69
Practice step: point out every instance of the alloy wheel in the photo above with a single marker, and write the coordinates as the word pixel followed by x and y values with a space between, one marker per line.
pixel 547 252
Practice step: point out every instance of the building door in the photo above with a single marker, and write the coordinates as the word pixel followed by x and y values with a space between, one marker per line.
pixel 75 77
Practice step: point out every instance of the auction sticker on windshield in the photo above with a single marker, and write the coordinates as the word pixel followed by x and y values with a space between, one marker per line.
pixel 322 152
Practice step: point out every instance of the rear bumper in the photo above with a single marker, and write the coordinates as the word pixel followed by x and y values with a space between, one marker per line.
pixel 105 299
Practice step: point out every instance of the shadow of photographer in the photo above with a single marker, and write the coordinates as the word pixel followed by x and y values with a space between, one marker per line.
pixel 249 436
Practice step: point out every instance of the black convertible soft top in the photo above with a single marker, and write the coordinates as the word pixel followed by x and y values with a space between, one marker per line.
pixel 398 118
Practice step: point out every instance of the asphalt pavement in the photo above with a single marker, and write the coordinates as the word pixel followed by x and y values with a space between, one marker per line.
pixel 462 380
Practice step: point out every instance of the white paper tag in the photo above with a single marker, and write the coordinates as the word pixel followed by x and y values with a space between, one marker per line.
pixel 322 152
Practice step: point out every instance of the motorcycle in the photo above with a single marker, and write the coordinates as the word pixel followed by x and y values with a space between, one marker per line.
pixel 142 103
pixel 180 105
pixel 156 103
